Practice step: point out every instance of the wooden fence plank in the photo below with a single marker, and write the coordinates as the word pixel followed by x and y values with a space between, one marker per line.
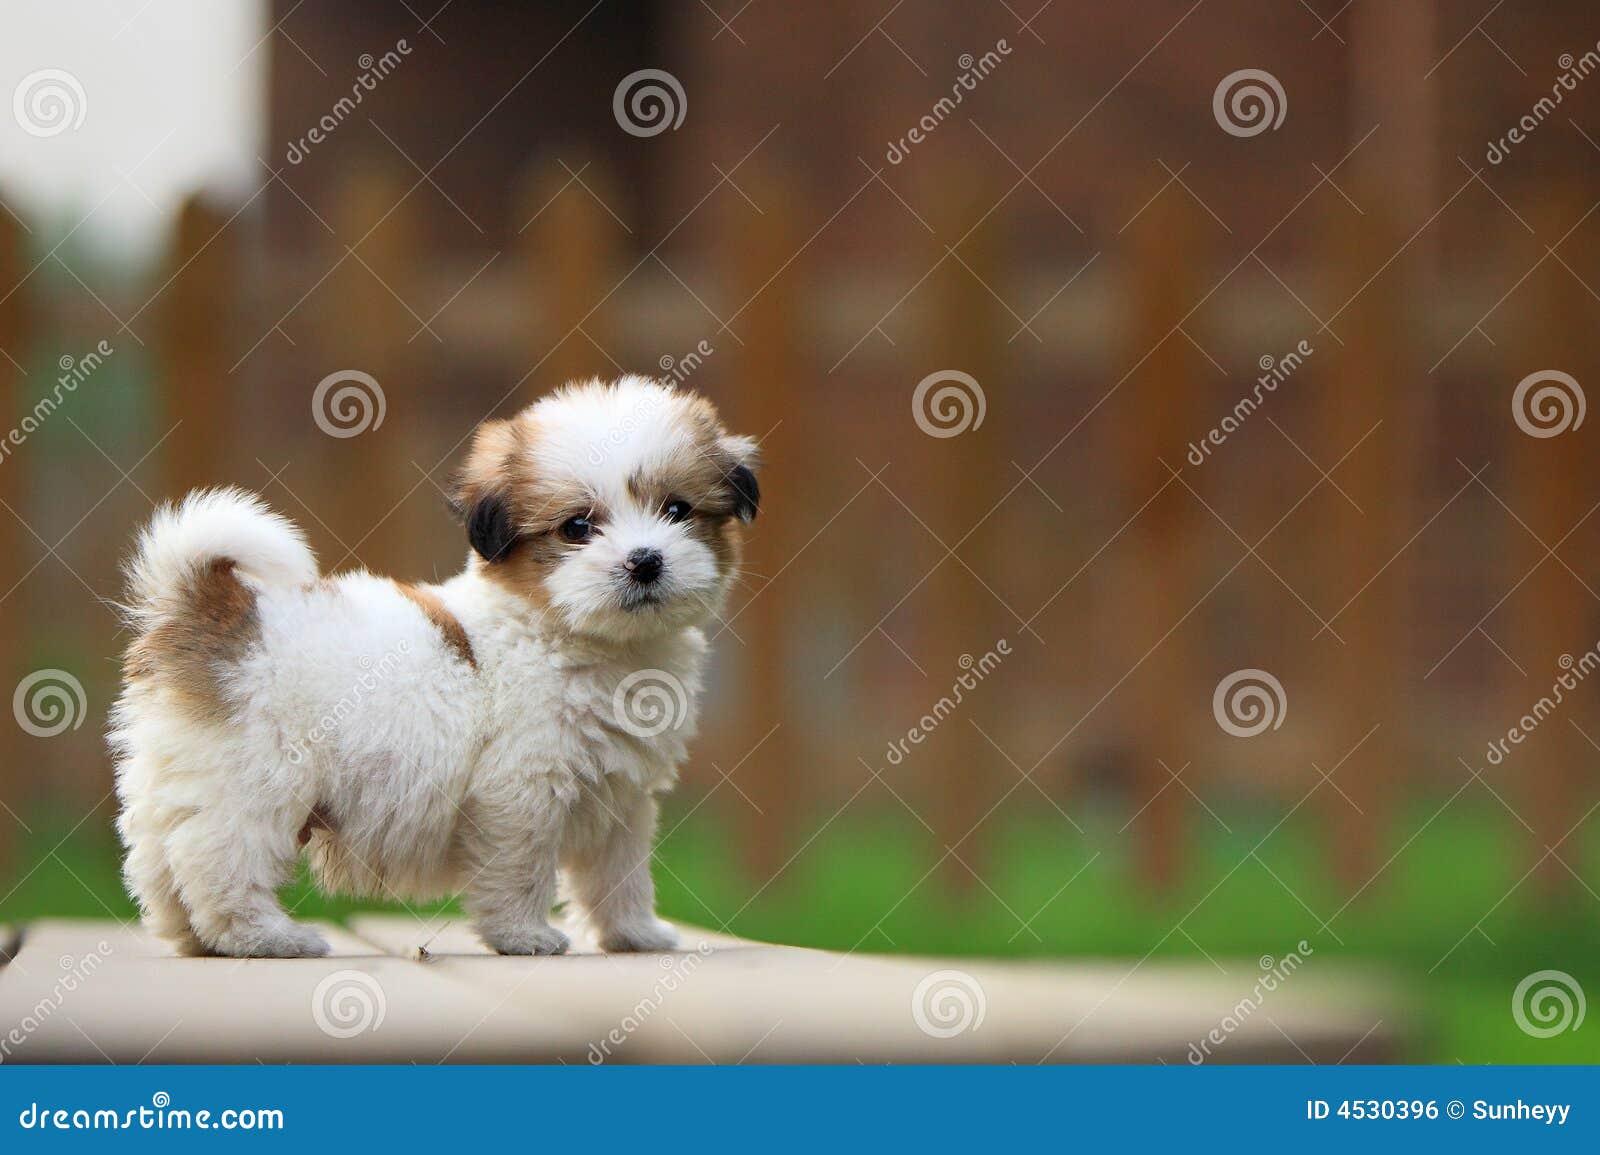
pixel 1361 549
pixel 13 327
pixel 1162 578
pixel 956 480
pixel 372 323
pixel 194 339
pixel 728 1001
pixel 1552 617
pixel 761 404
pixel 1379 265
pixel 131 1001
pixel 570 245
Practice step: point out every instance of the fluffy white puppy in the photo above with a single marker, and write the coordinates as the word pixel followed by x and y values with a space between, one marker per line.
pixel 473 737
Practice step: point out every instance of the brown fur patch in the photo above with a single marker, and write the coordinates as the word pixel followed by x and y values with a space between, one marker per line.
pixel 697 472
pixel 500 462
pixel 724 537
pixel 190 652
pixel 455 636
pixel 319 820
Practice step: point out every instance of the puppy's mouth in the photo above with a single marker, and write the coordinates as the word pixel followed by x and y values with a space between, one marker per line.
pixel 636 599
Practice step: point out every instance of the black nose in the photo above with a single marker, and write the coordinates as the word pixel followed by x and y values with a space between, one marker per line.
pixel 643 565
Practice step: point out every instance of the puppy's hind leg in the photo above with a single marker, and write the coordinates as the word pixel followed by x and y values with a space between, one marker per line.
pixel 229 859
pixel 511 886
pixel 151 883
pixel 611 879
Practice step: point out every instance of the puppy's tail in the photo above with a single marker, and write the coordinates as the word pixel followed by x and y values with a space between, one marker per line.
pixel 211 526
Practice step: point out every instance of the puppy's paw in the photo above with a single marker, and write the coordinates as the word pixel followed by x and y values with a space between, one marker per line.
pixel 285 940
pixel 650 935
pixel 527 940
pixel 190 945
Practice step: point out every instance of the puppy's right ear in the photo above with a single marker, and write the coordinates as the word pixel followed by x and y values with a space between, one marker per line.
pixel 490 529
pixel 481 500
pixel 743 458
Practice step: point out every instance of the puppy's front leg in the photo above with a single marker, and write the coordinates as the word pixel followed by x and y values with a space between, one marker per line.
pixel 510 889
pixel 612 881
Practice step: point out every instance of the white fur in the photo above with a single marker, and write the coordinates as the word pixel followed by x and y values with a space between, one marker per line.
pixel 212 524
pixel 435 777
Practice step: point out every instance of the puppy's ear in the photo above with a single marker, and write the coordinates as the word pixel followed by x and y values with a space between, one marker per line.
pixel 480 498
pixel 490 528
pixel 744 458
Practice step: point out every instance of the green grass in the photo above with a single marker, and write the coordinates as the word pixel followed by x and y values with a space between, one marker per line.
pixel 1446 919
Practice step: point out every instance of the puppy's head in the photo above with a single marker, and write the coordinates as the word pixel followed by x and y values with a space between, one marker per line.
pixel 615 507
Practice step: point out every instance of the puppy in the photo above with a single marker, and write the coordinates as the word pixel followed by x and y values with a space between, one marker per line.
pixel 474 737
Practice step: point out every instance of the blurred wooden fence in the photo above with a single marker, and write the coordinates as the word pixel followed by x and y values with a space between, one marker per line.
pixel 787 734
pixel 13 327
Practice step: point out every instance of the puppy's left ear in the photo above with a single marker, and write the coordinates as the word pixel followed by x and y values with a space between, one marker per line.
pixel 744 458
pixel 481 488
pixel 490 529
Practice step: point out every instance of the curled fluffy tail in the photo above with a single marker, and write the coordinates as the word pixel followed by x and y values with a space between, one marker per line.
pixel 213 525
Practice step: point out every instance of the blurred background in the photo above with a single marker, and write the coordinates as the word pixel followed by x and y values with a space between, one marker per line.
pixel 1158 553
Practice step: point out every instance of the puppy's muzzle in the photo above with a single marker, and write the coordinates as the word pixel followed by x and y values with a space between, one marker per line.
pixel 644 566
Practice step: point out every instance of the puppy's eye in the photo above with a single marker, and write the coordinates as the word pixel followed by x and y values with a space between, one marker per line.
pixel 677 509
pixel 576 529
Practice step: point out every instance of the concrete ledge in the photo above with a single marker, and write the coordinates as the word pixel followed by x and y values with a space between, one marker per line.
pixel 401 990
